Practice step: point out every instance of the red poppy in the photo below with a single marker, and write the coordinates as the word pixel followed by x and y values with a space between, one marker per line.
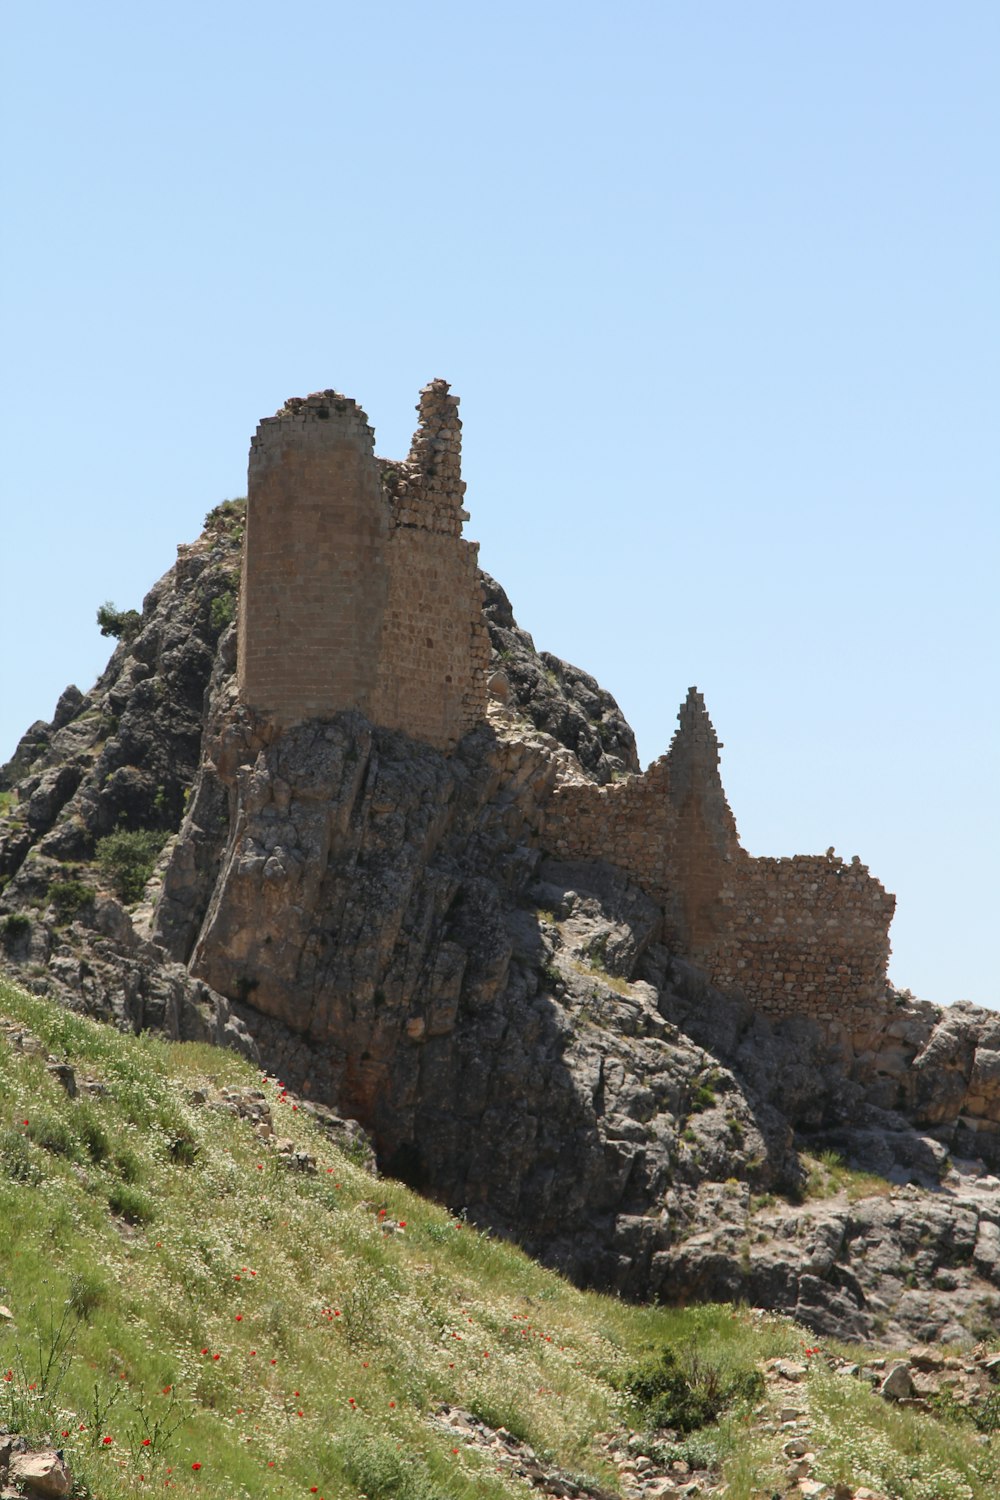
pixel 196 1466
pixel 107 1440
pixel 239 1317
pixel 146 1442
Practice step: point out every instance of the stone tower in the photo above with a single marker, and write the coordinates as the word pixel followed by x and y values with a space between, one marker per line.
pixel 358 589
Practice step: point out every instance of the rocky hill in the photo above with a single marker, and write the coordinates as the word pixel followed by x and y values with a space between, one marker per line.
pixel 380 922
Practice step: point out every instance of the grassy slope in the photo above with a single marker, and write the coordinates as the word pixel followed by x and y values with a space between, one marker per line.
pixel 275 1329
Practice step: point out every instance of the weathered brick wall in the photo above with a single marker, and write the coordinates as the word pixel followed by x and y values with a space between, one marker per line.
pixel 807 935
pixel 314 583
pixel 358 590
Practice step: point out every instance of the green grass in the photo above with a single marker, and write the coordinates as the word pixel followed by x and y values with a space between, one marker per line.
pixel 829 1174
pixel 178 1289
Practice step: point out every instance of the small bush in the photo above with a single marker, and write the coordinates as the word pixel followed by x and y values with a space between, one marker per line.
pixel 131 1204
pixel 52 1134
pixel 92 1133
pixel 15 1159
pixel 223 610
pixel 128 1165
pixel 123 624
pixel 183 1150
pixel 987 1416
pixel 69 896
pixel 377 1468
pixel 87 1293
pixel 684 1399
pixel 228 517
pixel 126 858
pixel 14 927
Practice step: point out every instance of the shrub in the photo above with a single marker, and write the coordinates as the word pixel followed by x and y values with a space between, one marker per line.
pixel 52 1134
pixel 92 1133
pixel 123 624
pixel 14 926
pixel 15 1159
pixel 131 1204
pixel 69 897
pixel 228 517
pixel 223 610
pixel 127 856
pixel 685 1399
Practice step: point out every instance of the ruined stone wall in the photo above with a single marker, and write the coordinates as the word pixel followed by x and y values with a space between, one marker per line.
pixel 435 648
pixel 806 935
pixel 358 590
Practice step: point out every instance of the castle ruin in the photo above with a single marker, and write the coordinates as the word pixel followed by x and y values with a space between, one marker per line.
pixel 359 592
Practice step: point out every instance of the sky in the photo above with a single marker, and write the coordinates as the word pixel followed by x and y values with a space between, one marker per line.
pixel 718 285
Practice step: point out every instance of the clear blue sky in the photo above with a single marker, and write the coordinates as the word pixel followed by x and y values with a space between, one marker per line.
pixel 718 286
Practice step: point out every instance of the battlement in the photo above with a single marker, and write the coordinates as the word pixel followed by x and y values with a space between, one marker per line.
pixel 358 589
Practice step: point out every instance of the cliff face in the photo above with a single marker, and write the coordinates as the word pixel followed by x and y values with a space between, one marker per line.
pixel 393 931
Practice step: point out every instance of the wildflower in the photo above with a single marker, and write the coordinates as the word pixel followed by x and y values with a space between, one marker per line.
pixel 253 1351
pixel 392 1403
pixel 216 1356
pixel 65 1432
pixel 196 1467
pixel 9 1375
pixel 146 1442
pixel 167 1389
pixel 107 1441
pixel 204 1351
pixel 239 1317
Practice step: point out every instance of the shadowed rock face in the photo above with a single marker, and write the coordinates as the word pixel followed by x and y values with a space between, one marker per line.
pixel 384 926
